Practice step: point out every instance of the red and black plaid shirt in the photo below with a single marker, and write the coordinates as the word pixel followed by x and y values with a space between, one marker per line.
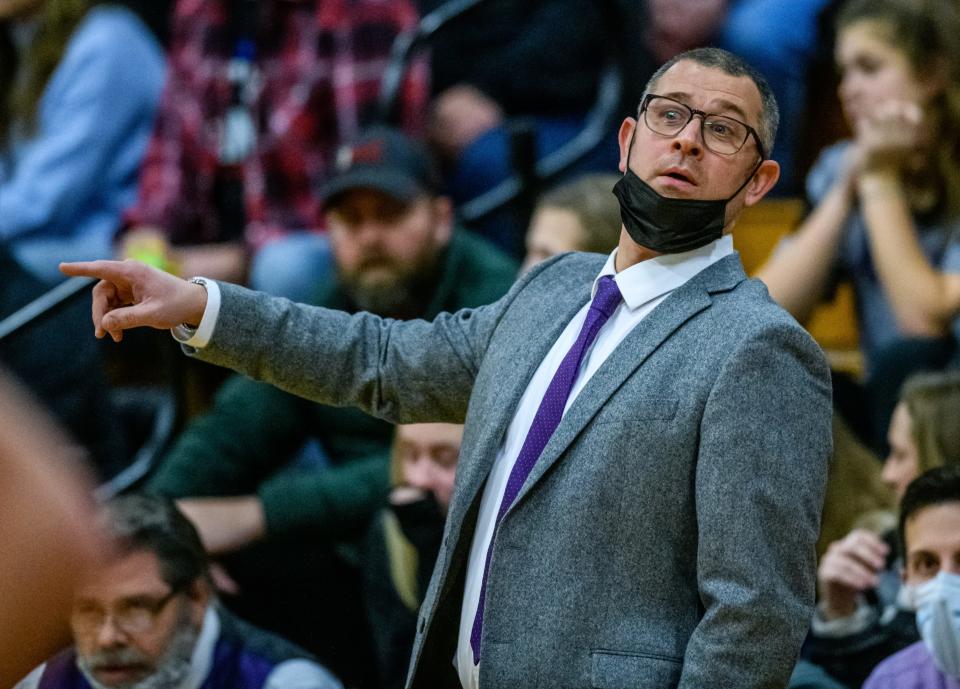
pixel 320 64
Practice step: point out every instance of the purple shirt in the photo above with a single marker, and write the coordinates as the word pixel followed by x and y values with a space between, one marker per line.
pixel 911 668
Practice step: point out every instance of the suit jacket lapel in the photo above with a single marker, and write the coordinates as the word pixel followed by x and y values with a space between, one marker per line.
pixel 650 333
pixel 532 334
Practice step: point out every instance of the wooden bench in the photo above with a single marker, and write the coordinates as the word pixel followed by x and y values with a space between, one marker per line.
pixel 833 324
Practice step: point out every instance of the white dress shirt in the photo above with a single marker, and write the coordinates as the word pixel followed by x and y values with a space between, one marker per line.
pixel 199 337
pixel 643 286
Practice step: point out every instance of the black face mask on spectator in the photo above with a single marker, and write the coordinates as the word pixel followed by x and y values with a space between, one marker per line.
pixel 421 522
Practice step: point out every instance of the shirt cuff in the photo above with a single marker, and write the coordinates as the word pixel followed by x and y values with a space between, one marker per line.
pixel 199 337
pixel 849 625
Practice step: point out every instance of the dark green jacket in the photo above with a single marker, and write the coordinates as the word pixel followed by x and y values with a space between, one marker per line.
pixel 245 442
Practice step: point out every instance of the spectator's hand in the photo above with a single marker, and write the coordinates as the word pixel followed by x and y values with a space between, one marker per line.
pixel 849 568
pixel 225 261
pixel 889 137
pixel 849 172
pixel 131 294
pixel 460 115
pixel 147 244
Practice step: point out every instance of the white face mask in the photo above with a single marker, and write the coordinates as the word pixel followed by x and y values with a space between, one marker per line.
pixel 938 618
pixel 907 597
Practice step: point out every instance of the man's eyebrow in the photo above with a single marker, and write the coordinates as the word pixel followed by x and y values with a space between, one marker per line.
pixel 920 553
pixel 719 106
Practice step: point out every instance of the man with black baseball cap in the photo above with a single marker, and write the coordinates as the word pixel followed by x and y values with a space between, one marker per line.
pixel 387 224
pixel 386 160
pixel 396 253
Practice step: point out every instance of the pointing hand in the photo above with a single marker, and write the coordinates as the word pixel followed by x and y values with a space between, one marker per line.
pixel 131 294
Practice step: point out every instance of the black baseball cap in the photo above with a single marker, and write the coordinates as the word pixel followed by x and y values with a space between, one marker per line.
pixel 384 159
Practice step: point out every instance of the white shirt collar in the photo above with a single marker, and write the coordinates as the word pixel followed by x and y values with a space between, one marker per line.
pixel 202 660
pixel 647 280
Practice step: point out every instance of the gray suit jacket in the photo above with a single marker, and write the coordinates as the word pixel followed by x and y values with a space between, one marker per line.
pixel 665 537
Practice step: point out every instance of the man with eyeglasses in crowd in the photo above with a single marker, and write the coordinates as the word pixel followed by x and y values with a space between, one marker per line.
pixel 647 433
pixel 148 619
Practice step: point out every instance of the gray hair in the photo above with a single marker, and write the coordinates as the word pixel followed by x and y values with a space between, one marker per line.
pixel 154 524
pixel 728 63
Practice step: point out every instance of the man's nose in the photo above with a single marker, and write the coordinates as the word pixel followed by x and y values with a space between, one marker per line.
pixel 368 234
pixel 418 474
pixel 689 140
pixel 849 86
pixel 109 635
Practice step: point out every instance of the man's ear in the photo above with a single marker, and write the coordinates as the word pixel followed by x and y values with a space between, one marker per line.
pixel 198 595
pixel 762 181
pixel 624 136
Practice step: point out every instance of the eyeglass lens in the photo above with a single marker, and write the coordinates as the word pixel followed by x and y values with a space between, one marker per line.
pixel 721 134
pixel 132 616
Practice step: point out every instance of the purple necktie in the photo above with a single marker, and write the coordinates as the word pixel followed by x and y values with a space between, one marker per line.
pixel 545 422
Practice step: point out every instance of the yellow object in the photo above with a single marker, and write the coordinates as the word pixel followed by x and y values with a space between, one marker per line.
pixel 152 250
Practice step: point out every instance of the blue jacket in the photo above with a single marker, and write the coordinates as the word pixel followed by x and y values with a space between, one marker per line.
pixel 70 179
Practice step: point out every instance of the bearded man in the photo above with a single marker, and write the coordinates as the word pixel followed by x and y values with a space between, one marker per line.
pixel 148 619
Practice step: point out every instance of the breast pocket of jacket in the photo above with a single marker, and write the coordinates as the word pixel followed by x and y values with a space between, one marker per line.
pixel 619 670
pixel 623 420
pixel 627 411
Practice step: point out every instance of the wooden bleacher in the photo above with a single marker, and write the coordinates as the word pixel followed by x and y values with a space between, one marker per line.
pixel 833 324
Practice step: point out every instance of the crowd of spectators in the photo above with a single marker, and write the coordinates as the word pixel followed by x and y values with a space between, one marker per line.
pixel 249 142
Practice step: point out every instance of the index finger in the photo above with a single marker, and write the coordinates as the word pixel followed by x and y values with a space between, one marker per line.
pixel 102 270
pixel 868 539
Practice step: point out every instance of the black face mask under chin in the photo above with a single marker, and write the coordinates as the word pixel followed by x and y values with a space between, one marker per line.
pixel 665 225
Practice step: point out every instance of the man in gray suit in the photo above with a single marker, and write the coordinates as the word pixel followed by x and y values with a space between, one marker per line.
pixel 647 434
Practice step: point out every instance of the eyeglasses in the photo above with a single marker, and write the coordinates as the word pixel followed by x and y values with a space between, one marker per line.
pixel 133 616
pixel 721 134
